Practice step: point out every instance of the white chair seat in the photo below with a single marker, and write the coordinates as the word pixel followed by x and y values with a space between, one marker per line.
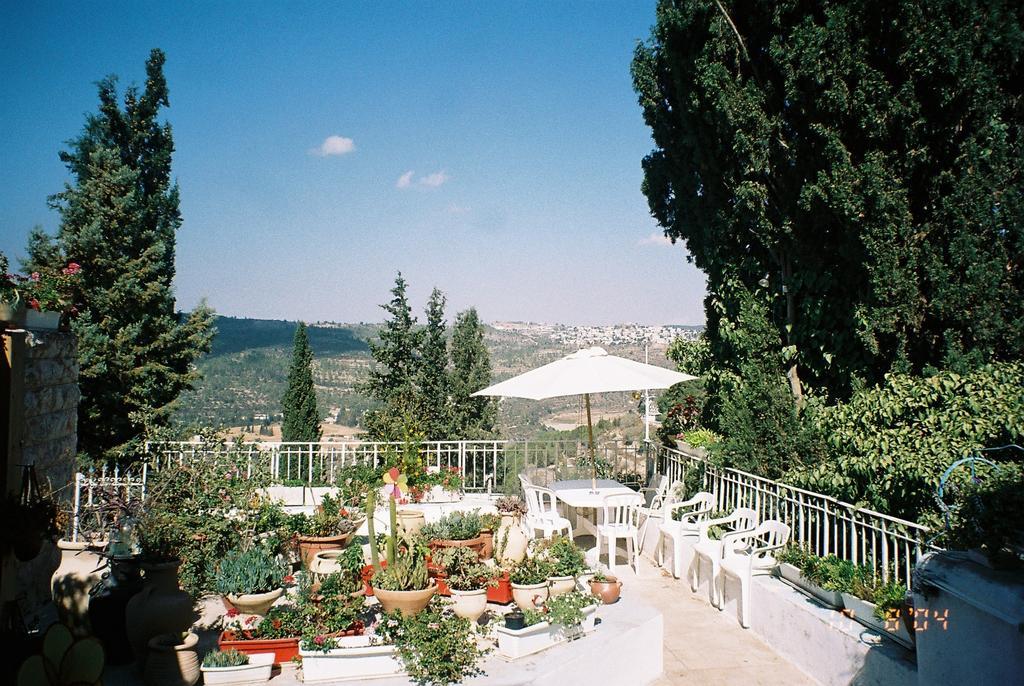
pixel 749 554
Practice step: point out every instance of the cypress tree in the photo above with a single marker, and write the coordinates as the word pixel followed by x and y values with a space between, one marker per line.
pixel 301 418
pixel 434 402
pixel 471 371
pixel 119 217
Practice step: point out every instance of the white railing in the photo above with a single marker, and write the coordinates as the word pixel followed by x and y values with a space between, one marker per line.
pixel 95 505
pixel 826 525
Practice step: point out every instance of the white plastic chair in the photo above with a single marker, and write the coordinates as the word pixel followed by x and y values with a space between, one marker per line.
pixel 654 502
pixel 691 513
pixel 741 521
pixel 542 513
pixel 621 520
pixel 749 554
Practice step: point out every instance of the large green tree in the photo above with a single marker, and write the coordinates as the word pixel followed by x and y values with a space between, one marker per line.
pixel 848 173
pixel 301 420
pixel 393 378
pixel 434 396
pixel 119 216
pixel 471 371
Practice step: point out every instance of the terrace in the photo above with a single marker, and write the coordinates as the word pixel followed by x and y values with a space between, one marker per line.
pixel 792 636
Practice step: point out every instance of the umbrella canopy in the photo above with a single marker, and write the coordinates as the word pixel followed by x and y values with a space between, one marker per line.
pixel 591 370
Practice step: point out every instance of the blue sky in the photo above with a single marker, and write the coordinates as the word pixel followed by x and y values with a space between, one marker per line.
pixel 491 150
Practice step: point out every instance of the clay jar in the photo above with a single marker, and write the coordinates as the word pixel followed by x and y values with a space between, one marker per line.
pixel 510 540
pixel 79 571
pixel 161 607
pixel 172 660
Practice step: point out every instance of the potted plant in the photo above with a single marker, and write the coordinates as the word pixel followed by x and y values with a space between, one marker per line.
pixel 561 619
pixel 458 529
pixel 823 578
pixel 445 562
pixel 530 582
pixel 233 667
pixel 278 632
pixel 404 584
pixel 510 539
pixel 489 523
pixel 435 646
pixel 469 590
pixel 878 605
pixel 329 528
pixel 567 561
pixel 250 580
pixel 442 485
pixel 172 660
pixel 40 298
pixel 606 587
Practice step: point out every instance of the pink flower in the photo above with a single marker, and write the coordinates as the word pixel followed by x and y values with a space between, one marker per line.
pixel 433 625
pixel 250 620
pixel 35 276
pixel 232 612
pixel 72 268
pixel 319 640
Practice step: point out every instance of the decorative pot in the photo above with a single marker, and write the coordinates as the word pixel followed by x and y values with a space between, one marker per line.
pixel 79 572
pixel 284 649
pixel 510 540
pixel 407 602
pixel 530 596
pixel 42 321
pixel 515 620
pixel 161 607
pixel 256 672
pixel 469 604
pixel 487 551
pixel 309 546
pixel 608 591
pixel 254 603
pixel 13 313
pixel 560 585
pixel 411 521
pixel 502 593
pixel 172 661
pixel 121 582
pixel 324 564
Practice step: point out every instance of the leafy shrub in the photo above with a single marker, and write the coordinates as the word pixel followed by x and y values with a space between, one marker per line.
pixel 532 570
pixel 457 526
pixel 888 446
pixel 435 646
pixel 566 558
pixel 567 609
pixel 355 480
pixel 254 570
pixel 511 505
pixel 831 573
pixel 474 577
pixel 225 658
pixel 701 438
pixel 455 560
pixel 990 515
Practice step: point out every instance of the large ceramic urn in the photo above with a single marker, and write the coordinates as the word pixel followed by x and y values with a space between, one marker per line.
pixel 172 660
pixel 80 570
pixel 510 540
pixel 161 607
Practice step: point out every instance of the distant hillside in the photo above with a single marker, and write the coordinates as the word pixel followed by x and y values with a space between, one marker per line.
pixel 238 334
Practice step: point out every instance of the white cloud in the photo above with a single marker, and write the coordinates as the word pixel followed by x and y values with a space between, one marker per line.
pixel 433 180
pixel 655 239
pixel 458 209
pixel 335 145
pixel 404 180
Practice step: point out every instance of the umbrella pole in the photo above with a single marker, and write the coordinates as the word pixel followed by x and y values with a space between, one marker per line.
pixel 590 436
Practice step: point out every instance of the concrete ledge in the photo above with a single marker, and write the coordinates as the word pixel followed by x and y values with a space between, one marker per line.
pixel 825 644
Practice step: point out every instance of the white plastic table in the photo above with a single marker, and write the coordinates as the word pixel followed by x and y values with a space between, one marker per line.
pixel 578 495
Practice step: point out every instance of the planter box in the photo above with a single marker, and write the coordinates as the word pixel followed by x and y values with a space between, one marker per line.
pixel 502 593
pixel 864 612
pixel 256 672
pixel 437 494
pixel 832 599
pixel 354 659
pixel 284 649
pixel 42 321
pixel 516 643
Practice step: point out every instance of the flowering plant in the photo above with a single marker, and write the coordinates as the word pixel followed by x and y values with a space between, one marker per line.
pixel 48 289
pixel 435 646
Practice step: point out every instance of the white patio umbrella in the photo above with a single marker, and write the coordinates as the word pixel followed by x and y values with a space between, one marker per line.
pixel 591 370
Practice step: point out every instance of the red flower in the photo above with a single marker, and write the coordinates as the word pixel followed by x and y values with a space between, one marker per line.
pixel 276 623
pixel 289 579
pixel 250 620
pixel 232 612
pixel 72 268
pixel 34 304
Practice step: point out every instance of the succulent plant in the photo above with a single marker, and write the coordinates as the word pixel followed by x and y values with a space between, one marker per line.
pixel 225 658
pixel 458 526
pixel 407 572
pixel 253 570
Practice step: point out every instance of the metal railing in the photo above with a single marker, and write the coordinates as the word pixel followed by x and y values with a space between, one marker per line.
pixel 99 497
pixel 826 525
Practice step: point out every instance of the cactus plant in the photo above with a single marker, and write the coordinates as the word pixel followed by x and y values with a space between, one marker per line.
pixel 225 658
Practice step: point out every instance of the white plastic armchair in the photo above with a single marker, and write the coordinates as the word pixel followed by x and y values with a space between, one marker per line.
pixel 654 503
pixel 741 521
pixel 621 519
pixel 691 513
pixel 545 516
pixel 750 553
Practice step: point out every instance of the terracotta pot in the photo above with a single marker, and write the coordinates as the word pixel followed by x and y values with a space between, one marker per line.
pixel 502 593
pixel 411 521
pixel 407 602
pixel 530 596
pixel 309 546
pixel 469 604
pixel 510 540
pixel 172 661
pixel 284 649
pixel 79 572
pixel 254 603
pixel 476 544
pixel 560 585
pixel 161 607
pixel 487 552
pixel 608 591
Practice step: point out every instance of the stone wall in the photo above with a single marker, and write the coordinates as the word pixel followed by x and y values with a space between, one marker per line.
pixel 49 441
